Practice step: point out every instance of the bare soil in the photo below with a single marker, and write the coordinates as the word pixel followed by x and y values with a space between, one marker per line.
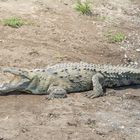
pixel 58 33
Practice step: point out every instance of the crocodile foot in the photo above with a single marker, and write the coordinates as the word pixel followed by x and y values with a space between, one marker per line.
pixel 57 92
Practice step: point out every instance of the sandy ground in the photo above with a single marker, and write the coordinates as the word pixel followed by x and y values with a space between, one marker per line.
pixel 58 33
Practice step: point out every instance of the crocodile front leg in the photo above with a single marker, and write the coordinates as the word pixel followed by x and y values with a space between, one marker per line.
pixel 97 81
pixel 56 92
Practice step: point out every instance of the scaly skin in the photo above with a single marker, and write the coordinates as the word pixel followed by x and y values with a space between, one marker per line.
pixel 58 80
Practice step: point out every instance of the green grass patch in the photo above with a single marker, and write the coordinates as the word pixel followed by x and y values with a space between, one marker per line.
pixel 83 7
pixel 116 37
pixel 14 22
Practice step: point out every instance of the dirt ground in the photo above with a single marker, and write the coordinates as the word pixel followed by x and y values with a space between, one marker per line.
pixel 58 33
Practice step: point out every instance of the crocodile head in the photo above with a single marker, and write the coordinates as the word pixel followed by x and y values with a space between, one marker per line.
pixel 14 80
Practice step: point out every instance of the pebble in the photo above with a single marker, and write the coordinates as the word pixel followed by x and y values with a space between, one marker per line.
pixel 138 50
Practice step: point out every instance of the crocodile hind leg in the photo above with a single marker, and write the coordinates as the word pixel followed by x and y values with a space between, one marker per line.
pixel 97 81
pixel 56 92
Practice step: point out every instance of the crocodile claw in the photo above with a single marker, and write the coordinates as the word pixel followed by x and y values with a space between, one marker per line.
pixel 91 95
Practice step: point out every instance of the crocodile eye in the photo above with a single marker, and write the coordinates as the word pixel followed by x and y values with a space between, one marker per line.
pixel 62 70
pixel 55 73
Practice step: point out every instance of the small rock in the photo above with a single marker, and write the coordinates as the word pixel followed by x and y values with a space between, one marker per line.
pixel 125 56
pixel 138 50
pixel 72 124
pixel 24 130
pixel 52 115
pixel 65 3
pixel 63 40
pixel 90 121
pixel 122 127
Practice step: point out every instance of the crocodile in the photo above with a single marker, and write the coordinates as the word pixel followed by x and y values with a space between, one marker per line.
pixel 60 79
